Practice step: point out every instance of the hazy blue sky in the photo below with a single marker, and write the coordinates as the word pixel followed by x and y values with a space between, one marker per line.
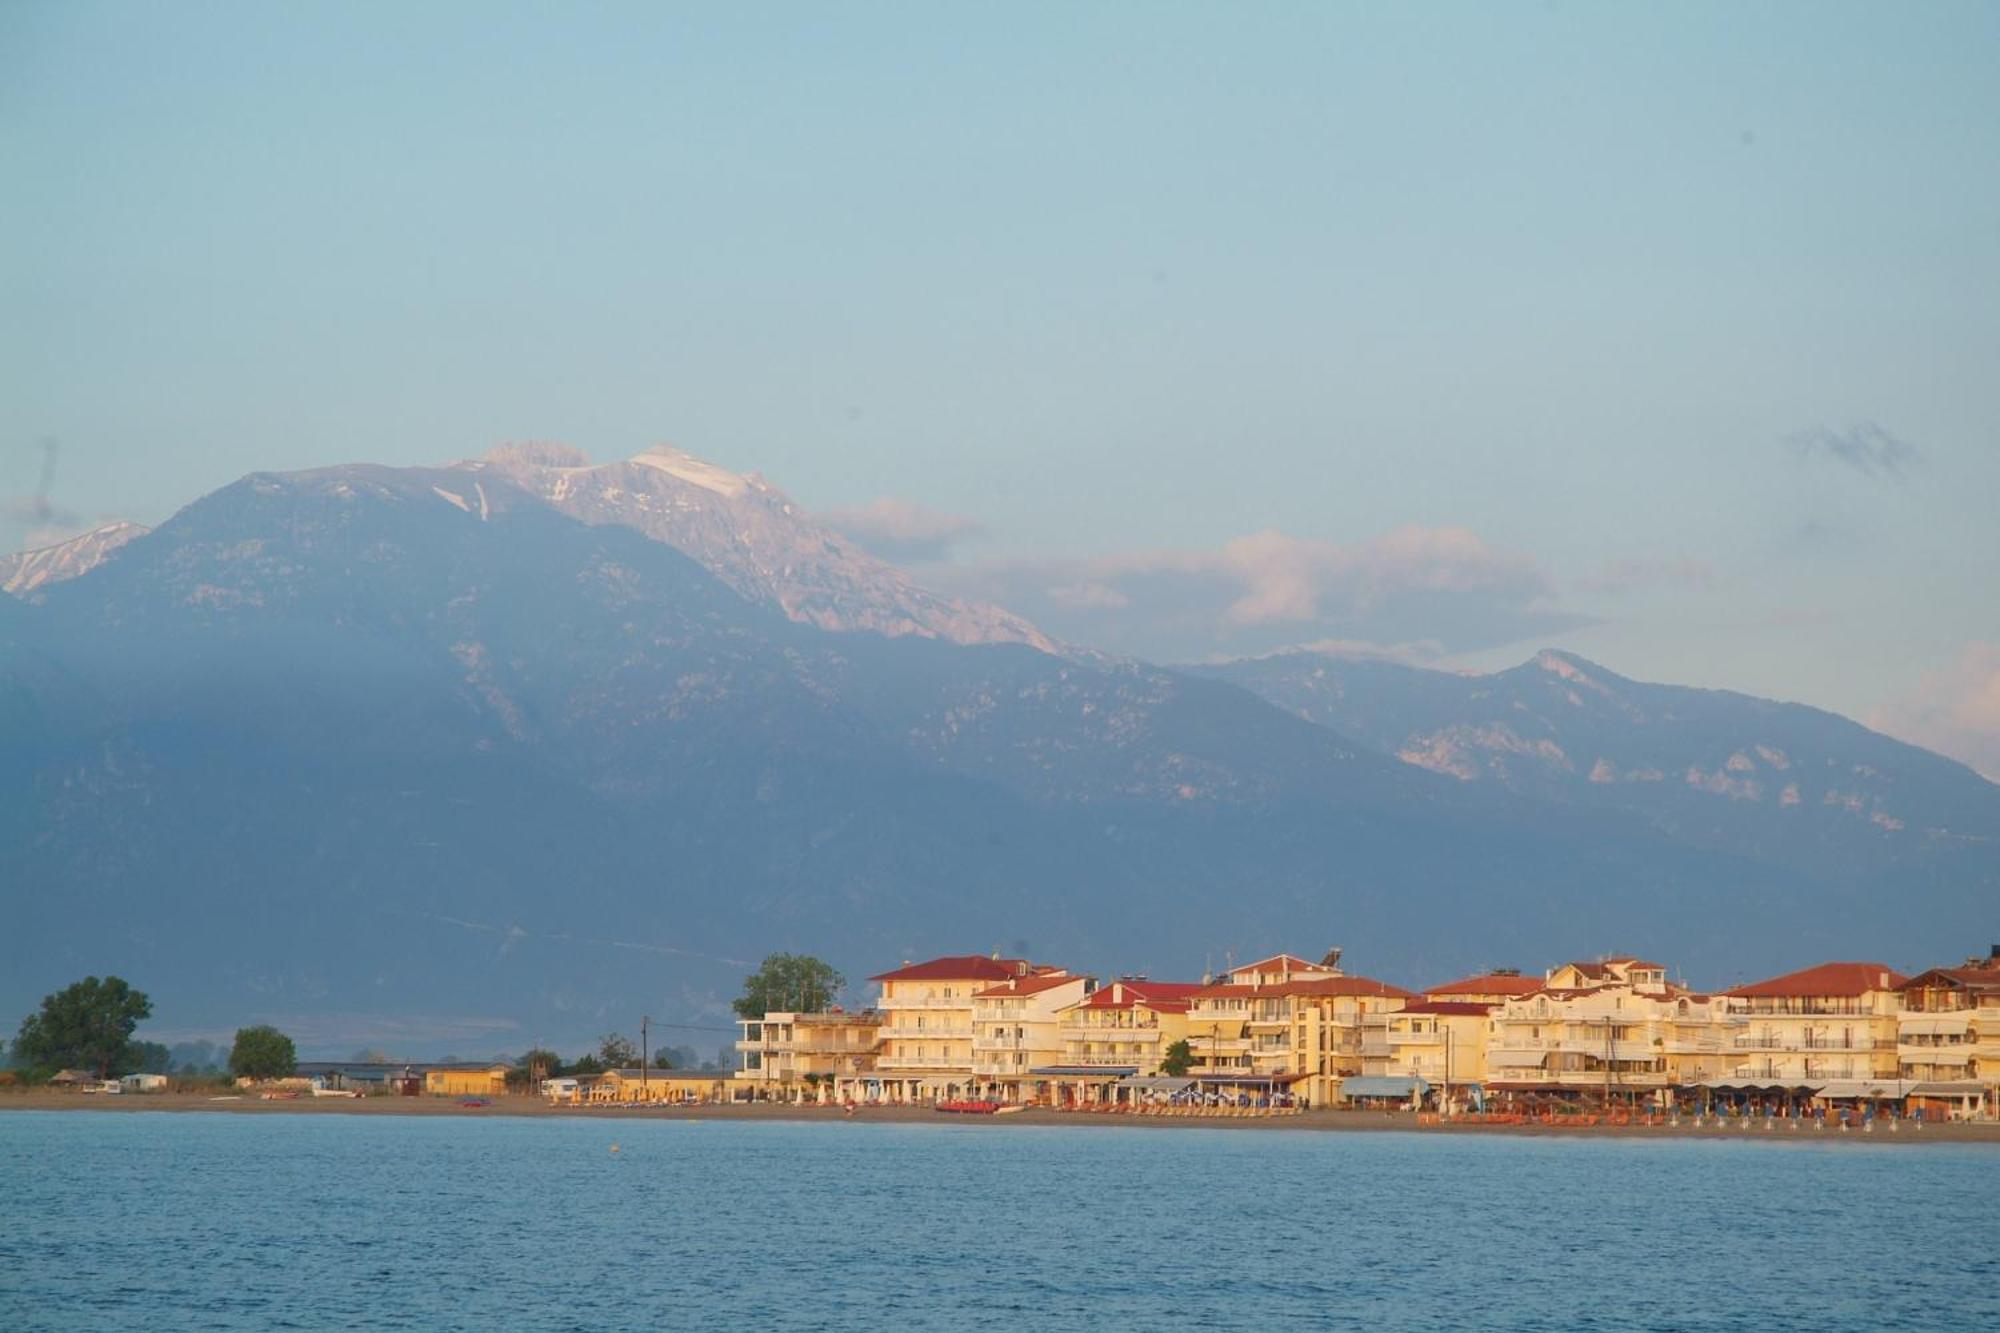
pixel 1669 336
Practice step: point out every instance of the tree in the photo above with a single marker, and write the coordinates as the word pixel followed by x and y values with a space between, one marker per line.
pixel 263 1052
pixel 1178 1059
pixel 589 1064
pixel 789 983
pixel 533 1067
pixel 86 1026
pixel 149 1057
pixel 662 1059
pixel 617 1052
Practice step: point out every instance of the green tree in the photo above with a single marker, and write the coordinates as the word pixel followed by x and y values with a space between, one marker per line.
pixel 589 1064
pixel 86 1026
pixel 617 1052
pixel 149 1057
pixel 1178 1059
pixel 534 1066
pixel 263 1052
pixel 662 1059
pixel 790 983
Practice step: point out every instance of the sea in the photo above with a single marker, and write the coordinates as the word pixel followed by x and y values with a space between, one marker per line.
pixel 308 1221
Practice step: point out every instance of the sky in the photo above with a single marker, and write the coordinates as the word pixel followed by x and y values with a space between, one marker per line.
pixel 1665 335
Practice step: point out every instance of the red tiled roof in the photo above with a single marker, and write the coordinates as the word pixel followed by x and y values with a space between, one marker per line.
pixel 1167 995
pixel 1448 1007
pixel 1028 985
pixel 960 967
pixel 1346 986
pixel 1492 984
pixel 1975 978
pixel 1306 986
pixel 1828 979
pixel 1278 962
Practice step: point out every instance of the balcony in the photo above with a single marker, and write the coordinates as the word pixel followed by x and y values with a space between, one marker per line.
pixel 929 1062
pixel 1802 1008
pixel 963 1002
pixel 930 1033
pixel 1808 1042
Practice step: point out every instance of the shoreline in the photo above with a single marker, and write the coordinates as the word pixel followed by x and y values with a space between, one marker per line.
pixel 1305 1122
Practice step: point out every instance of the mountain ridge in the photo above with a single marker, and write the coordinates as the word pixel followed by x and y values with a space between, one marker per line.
pixel 414 741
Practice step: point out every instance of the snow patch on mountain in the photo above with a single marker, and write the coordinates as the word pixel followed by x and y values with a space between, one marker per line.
pixel 752 536
pixel 24 573
pixel 684 465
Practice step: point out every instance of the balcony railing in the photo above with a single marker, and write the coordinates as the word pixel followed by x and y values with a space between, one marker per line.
pixel 928 1033
pixel 921 1062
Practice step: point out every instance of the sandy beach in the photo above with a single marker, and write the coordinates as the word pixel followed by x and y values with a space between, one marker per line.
pixel 1309 1121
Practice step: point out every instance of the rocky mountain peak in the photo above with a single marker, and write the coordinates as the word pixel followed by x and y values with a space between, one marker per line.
pixel 25 573
pixel 754 538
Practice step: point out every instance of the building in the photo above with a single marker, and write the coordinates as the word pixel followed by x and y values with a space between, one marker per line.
pixel 1426 1048
pixel 143 1083
pixel 925 1015
pixel 1283 1025
pixel 1017 1043
pixel 466 1080
pixel 1118 1032
pixel 1495 987
pixel 1830 1029
pixel 364 1076
pixel 1623 970
pixel 650 1087
pixel 791 1056
pixel 1948 1038
pixel 1625 1037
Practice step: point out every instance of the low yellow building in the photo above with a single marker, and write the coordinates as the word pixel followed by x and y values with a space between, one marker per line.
pixel 651 1086
pixel 466 1080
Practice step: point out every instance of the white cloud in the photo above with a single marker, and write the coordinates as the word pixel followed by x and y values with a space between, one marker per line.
pixel 1954 709
pixel 902 530
pixel 1265 590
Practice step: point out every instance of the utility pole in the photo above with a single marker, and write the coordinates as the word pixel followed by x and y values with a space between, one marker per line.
pixel 1444 1107
pixel 645 1091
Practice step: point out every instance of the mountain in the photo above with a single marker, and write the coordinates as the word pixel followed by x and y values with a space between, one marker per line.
pixel 1776 781
pixel 753 538
pixel 25 572
pixel 414 757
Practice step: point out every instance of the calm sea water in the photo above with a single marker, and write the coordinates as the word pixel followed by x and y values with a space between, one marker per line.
pixel 253 1222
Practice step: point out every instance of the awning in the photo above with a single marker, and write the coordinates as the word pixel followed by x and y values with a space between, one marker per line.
pixel 1515 1059
pixel 1954 1088
pixel 1105 1072
pixel 1374 1085
pixel 1933 1025
pixel 1243 1078
pixel 1865 1089
pixel 1154 1083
